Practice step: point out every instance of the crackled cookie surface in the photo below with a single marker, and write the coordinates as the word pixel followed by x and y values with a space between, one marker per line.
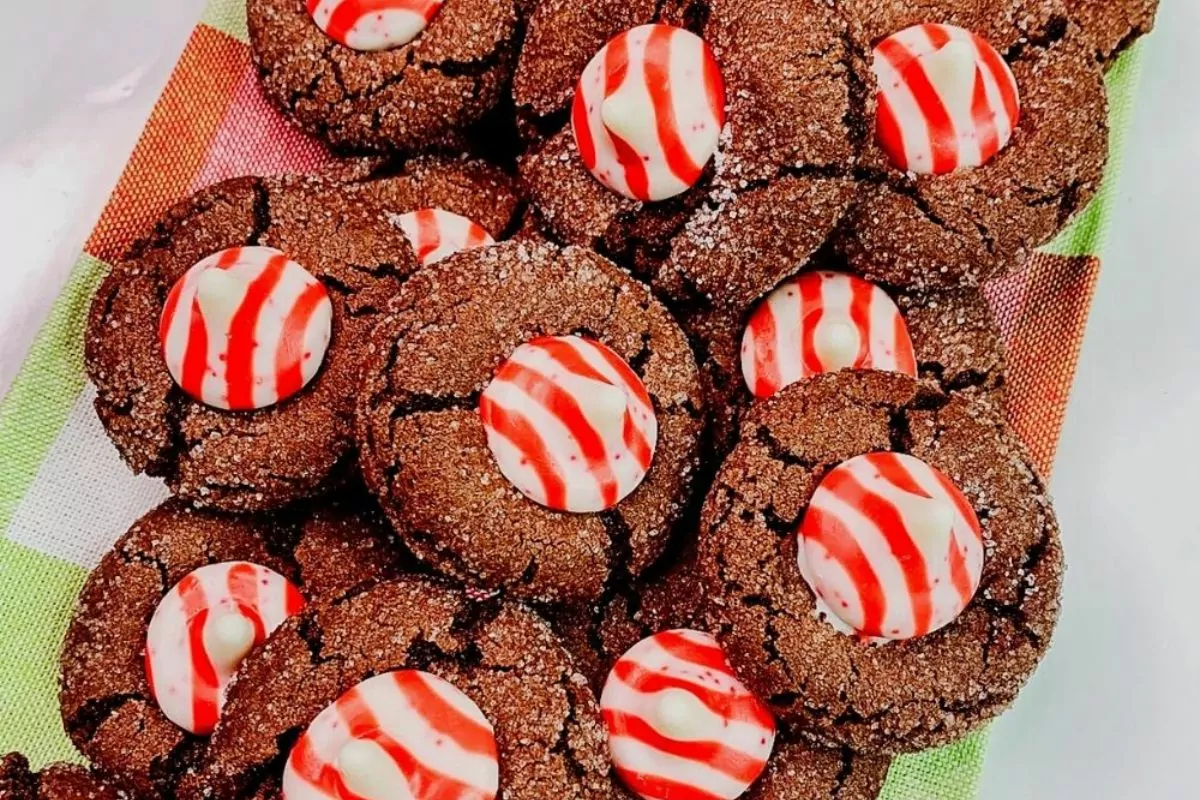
pixel 545 722
pixel 972 224
pixel 440 432
pixel 348 239
pixel 109 695
pixel 808 326
pixel 54 782
pixel 844 690
pixel 803 102
pixel 397 76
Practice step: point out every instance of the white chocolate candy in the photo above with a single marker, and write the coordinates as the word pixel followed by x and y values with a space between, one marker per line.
pixel 946 99
pixel 890 547
pixel 570 424
pixel 436 234
pixel 680 723
pixel 203 628
pixel 648 112
pixel 823 322
pixel 397 735
pixel 245 328
pixel 373 24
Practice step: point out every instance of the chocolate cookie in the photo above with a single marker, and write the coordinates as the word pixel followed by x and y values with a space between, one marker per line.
pixel 809 111
pixel 1111 27
pixel 54 782
pixel 949 340
pixel 347 237
pixel 838 689
pixel 673 599
pixel 790 113
pixel 417 96
pixel 547 727
pixel 108 708
pixel 972 224
pixel 425 450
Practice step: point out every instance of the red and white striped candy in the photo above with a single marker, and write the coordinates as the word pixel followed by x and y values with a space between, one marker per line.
pixel 823 322
pixel 373 24
pixel 947 99
pixel 648 112
pixel 570 424
pixel 681 726
pixel 891 547
pixel 436 234
pixel 405 734
pixel 245 328
pixel 201 631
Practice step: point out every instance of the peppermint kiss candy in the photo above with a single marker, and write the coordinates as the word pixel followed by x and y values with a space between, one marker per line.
pixel 201 631
pixel 570 424
pixel 823 322
pixel 436 234
pixel 400 734
pixel 245 328
pixel 680 724
pixel 372 24
pixel 648 112
pixel 947 99
pixel 891 547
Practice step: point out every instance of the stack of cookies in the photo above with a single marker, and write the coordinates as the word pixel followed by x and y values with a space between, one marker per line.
pixel 654 449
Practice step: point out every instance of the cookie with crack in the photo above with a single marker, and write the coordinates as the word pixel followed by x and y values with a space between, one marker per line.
pixel 990 133
pixel 163 621
pixel 670 598
pixel 225 346
pixel 385 77
pixel 530 421
pixel 1112 27
pixel 754 99
pixel 824 320
pixel 53 782
pixel 527 720
pixel 885 568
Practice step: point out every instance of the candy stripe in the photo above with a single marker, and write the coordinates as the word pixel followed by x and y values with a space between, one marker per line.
pixel 927 128
pixel 561 433
pixel 518 432
pixel 658 82
pixel 291 353
pixel 616 67
pixel 443 717
pixel 204 690
pixel 670 96
pixel 890 546
pixel 195 360
pixel 696 651
pixel 937 120
pixel 890 523
pixel 838 542
pixel 185 679
pixel 243 339
pixel 781 342
pixel 731 732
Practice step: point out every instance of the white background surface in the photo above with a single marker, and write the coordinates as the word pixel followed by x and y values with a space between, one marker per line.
pixel 1115 711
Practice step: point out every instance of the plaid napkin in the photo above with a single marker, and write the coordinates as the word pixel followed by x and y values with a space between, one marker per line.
pixel 65 496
